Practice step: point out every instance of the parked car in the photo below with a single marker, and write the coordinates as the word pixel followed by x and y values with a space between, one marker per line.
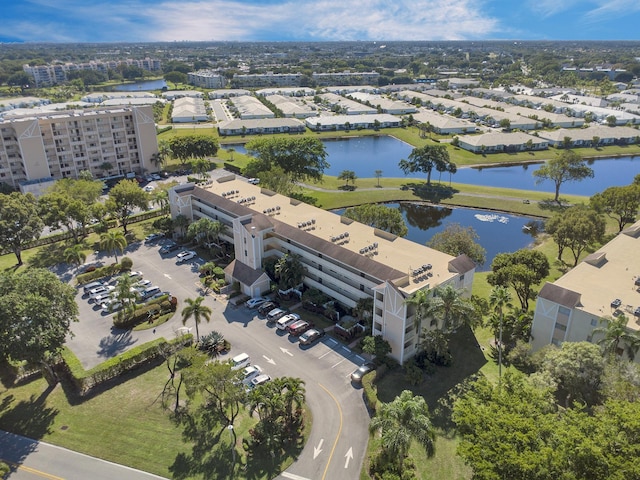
pixel 103 297
pixel 149 292
pixel 90 286
pixel 240 361
pixel 186 256
pixel 149 188
pixel 135 274
pixel 96 292
pixel 266 307
pixel 255 302
pixel 160 294
pixel 250 372
pixel 287 320
pixel 169 247
pixel 254 181
pixel 298 328
pixel 142 284
pixel 356 375
pixel 260 380
pixel 275 314
pixel 153 237
pixel 111 305
pixel 311 336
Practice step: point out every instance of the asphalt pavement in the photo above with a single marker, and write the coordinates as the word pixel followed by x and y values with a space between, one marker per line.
pixel 338 441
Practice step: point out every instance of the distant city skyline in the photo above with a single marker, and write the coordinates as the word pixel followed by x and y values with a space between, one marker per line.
pixel 317 20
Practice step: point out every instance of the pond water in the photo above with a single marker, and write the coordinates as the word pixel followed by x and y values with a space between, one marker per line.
pixel 497 232
pixel 365 155
pixel 141 86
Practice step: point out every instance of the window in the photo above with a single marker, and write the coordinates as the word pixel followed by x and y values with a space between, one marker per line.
pixel 594 322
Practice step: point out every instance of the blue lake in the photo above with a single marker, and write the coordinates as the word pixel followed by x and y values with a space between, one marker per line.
pixel 365 155
pixel 141 86
pixel 497 232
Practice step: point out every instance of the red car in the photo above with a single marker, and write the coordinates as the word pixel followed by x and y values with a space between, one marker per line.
pixel 298 328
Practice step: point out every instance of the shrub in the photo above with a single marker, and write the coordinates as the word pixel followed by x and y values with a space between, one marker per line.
pixel 100 272
pixel 85 380
pixel 144 313
pixel 126 263
pixel 370 392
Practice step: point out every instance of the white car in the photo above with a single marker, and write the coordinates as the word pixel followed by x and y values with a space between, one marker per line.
pixel 259 380
pixel 287 320
pixel 249 373
pixel 104 297
pixel 255 302
pixel 134 275
pixel 111 305
pixel 149 188
pixel 97 292
pixel 142 284
pixel 186 256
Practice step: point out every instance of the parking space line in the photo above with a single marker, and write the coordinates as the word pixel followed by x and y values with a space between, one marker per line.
pixel 335 342
pixel 335 365
pixel 325 354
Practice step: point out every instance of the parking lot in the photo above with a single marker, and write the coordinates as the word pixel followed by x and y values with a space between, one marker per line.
pixel 340 417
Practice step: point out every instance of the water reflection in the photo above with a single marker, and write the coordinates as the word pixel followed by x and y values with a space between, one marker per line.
pixel 423 216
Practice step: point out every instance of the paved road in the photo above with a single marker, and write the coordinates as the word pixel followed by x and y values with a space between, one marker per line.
pixel 33 460
pixel 339 436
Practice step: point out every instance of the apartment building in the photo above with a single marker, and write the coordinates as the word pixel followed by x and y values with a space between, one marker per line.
pixel 46 75
pixel 346 78
pixel 605 284
pixel 269 79
pixel 61 144
pixel 344 259
pixel 207 79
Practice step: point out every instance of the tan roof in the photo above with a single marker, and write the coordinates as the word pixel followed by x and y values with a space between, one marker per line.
pixel 386 257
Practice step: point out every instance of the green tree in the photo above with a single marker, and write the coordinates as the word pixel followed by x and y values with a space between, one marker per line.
pixel 611 120
pixel 404 420
pixel 205 230
pixel 424 159
pixel 304 158
pixel 612 333
pixel 577 228
pixel 61 209
pixel 125 196
pixel 277 180
pixel 19 222
pixel 420 302
pixel 379 216
pixel 376 345
pixel 566 167
pixel 75 255
pixel 619 203
pixel 456 240
pixel 36 311
pixel 126 295
pixel 450 308
pixel 500 299
pixel 197 311
pixel 113 242
pixel 521 270
pixel 505 124
pixel 289 271
pixel 185 148
pixel 378 174
pixel 201 166
pixel 348 175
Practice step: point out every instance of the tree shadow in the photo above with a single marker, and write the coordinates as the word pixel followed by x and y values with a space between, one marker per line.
pixel 32 418
pixel 48 255
pixel 116 343
pixel 434 193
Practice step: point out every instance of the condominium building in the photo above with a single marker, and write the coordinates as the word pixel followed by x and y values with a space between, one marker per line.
pixel 45 75
pixel 207 79
pixel 61 144
pixel 605 284
pixel 268 79
pixel 344 259
pixel 346 78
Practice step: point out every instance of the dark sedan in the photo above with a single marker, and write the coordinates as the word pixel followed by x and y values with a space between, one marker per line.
pixel 356 376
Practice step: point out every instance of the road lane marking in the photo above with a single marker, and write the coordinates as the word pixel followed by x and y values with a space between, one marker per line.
pixel 293 476
pixel 284 350
pixel 269 360
pixel 348 456
pixel 168 276
pixel 318 450
pixel 335 444
pixel 34 471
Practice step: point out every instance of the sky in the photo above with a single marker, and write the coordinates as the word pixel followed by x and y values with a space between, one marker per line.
pixel 316 20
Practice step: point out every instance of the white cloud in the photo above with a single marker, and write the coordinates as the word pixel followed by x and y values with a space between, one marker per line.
pixel 549 8
pixel 320 20
pixel 609 8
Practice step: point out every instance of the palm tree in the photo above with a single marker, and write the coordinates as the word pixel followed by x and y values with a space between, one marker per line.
pixel 614 331
pixel 294 395
pixel 378 174
pixel 196 310
pixel 448 304
pixel 499 299
pixel 231 152
pixel 422 303
pixel 75 255
pixel 161 198
pixel 181 221
pixel 400 422
pixel 113 241
pixel 289 271
pixel 126 295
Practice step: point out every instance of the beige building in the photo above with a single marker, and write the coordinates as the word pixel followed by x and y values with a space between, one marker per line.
pixel 606 283
pixel 343 258
pixel 61 144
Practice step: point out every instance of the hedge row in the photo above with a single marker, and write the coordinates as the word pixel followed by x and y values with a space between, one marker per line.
pixel 370 392
pixel 85 380
pixel 100 272
pixel 159 306
pixel 232 168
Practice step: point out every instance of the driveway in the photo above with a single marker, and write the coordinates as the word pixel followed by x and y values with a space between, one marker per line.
pixel 339 436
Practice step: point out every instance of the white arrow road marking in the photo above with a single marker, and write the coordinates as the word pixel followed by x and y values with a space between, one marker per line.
pixel 292 476
pixel 284 350
pixel 318 450
pixel 348 456
pixel 269 360
pixel 168 276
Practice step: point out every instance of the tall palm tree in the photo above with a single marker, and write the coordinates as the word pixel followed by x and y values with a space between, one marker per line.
pixel 126 295
pixel 400 422
pixel 499 299
pixel 453 310
pixel 113 241
pixel 421 301
pixel 289 271
pixel 196 310
pixel 294 395
pixel 614 332
pixel 75 255
pixel 161 198
pixel 181 221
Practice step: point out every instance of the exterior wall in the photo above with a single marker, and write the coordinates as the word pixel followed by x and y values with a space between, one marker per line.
pixel 552 324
